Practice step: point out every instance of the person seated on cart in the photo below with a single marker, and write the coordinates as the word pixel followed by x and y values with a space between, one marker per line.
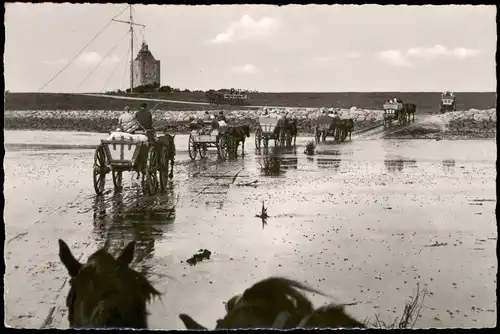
pixel 125 120
pixel 206 117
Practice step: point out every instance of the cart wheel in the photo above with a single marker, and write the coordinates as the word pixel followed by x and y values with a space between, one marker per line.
pixel 192 147
pixel 258 138
pixel 151 179
pixel 222 147
pixel 316 135
pixel 163 165
pixel 282 136
pixel 288 139
pixel 117 179
pixel 202 149
pixel 99 170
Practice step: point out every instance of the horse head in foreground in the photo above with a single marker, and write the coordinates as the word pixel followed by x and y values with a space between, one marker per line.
pixel 279 303
pixel 106 292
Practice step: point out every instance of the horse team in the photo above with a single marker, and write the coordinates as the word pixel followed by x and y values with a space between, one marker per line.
pixel 105 292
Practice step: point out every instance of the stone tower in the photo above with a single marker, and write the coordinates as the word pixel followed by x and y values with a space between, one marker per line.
pixel 146 68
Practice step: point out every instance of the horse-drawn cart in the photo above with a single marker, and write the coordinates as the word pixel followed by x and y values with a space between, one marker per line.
pixel 394 111
pixel 201 139
pixel 327 126
pixel 447 103
pixel 269 128
pixel 124 152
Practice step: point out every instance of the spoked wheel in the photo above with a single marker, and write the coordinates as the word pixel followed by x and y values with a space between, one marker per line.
pixel 202 150
pixel 151 180
pixel 258 138
pixel 117 179
pixel 317 135
pixel 100 170
pixel 192 150
pixel 163 165
pixel 222 147
pixel 288 139
pixel 282 137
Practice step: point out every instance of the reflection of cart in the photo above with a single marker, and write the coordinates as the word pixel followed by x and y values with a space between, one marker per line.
pixel 447 103
pixel 269 128
pixel 394 111
pixel 200 141
pixel 121 152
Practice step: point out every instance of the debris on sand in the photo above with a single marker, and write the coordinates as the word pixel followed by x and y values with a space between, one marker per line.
pixel 310 146
pixel 271 165
pixel 437 244
pixel 248 184
pixel 263 215
pixel 203 254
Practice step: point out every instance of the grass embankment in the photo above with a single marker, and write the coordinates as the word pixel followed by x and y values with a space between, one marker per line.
pixel 426 102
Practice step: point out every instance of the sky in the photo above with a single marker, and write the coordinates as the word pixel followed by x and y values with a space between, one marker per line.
pixel 291 48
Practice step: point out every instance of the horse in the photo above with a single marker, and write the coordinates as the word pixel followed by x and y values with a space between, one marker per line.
pixel 346 126
pixel 278 302
pixel 105 292
pixel 239 133
pixel 410 108
pixel 167 140
pixel 291 127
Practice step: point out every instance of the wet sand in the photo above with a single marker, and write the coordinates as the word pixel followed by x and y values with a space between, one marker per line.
pixel 356 220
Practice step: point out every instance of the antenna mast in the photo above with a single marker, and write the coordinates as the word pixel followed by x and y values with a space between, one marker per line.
pixel 132 24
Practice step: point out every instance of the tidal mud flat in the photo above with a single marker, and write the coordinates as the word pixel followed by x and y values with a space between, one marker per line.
pixel 365 221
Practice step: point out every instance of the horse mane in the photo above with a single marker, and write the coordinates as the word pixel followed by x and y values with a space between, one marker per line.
pixel 330 316
pixel 280 289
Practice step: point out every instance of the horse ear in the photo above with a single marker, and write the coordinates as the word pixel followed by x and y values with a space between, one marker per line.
pixel 68 260
pixel 189 322
pixel 127 254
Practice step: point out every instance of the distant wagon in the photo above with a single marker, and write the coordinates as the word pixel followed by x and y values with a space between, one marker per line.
pixel 332 125
pixel 447 103
pixel 234 98
pixel 209 134
pixel 394 110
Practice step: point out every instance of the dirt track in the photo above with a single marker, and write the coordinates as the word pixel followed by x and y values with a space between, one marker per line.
pixel 357 220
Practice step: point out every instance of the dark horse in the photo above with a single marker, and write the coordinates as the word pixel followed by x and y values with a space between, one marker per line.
pixel 168 144
pixel 346 126
pixel 105 292
pixel 291 129
pixel 277 302
pixel 165 147
pixel 238 134
pixel 410 108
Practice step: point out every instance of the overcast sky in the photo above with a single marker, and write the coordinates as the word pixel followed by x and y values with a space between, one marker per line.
pixel 267 48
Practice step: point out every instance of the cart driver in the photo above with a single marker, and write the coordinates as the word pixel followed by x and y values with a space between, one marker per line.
pixel 144 117
pixel 222 117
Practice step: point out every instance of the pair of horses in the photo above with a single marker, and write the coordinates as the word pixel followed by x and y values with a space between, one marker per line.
pixel 290 130
pixel 165 148
pixel 106 293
